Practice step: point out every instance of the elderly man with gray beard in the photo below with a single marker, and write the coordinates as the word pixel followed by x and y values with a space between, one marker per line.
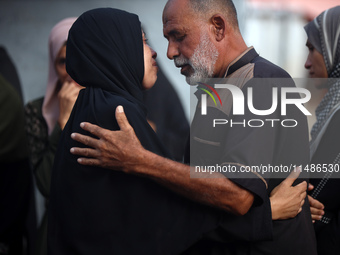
pixel 258 214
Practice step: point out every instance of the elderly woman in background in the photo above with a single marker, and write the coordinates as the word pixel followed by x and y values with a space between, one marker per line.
pixel 324 62
pixel 46 118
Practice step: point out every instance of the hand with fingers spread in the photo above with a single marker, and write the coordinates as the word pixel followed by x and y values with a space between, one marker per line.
pixel 67 96
pixel 112 149
pixel 287 200
pixel 316 207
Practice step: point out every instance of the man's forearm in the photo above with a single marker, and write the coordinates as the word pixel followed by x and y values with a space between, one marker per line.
pixel 218 192
pixel 113 151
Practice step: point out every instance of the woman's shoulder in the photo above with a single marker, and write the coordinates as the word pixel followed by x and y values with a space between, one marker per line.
pixel 109 106
pixel 99 108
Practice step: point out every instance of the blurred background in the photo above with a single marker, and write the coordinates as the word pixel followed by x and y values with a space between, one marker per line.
pixel 273 27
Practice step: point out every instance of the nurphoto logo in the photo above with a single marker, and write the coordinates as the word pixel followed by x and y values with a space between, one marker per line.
pixel 281 98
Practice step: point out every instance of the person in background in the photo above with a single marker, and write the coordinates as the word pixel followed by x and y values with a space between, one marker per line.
pixel 9 72
pixel 17 201
pixel 323 61
pixel 46 118
pixel 16 181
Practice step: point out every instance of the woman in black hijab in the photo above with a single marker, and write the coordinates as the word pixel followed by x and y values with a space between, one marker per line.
pixel 99 211
pixel 324 62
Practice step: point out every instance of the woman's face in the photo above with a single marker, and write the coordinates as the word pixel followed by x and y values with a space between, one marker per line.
pixel 150 66
pixel 315 63
pixel 60 66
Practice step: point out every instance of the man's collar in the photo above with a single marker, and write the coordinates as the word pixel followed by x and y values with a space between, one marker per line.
pixel 246 57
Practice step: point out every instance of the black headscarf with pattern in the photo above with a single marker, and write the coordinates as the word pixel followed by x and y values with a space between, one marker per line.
pixel 324 34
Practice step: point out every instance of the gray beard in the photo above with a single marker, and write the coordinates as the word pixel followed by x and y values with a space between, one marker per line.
pixel 202 61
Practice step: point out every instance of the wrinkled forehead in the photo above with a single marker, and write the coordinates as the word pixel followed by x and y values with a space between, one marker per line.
pixel 176 9
pixel 178 15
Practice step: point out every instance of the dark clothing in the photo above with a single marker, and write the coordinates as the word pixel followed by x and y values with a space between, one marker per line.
pixel 42 146
pixel 42 150
pixel 327 190
pixel 9 71
pixel 323 34
pixel 243 145
pixel 95 210
pixel 17 207
pixel 100 211
pixel 166 111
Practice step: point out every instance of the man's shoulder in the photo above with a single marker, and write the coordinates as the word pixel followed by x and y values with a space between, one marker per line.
pixel 263 68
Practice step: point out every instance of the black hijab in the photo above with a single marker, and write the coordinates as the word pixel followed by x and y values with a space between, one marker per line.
pixel 99 211
pixel 107 53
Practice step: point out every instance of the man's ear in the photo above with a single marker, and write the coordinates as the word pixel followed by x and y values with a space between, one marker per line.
pixel 219 26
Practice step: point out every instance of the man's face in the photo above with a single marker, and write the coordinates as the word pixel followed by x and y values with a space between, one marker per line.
pixel 189 44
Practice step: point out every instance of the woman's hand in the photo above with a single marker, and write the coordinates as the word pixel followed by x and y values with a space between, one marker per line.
pixel 316 207
pixel 67 96
pixel 287 200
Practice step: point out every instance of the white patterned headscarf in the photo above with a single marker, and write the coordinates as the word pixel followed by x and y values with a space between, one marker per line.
pixel 324 34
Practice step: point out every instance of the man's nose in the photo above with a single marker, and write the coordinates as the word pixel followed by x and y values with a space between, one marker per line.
pixel 172 50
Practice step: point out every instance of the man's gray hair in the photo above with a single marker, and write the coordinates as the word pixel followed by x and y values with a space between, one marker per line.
pixel 225 7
